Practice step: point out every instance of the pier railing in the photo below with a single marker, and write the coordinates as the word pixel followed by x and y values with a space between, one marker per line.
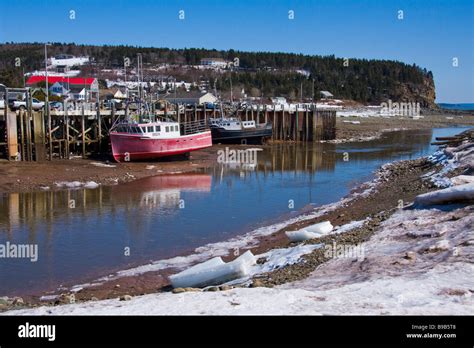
pixel 82 129
pixel 193 127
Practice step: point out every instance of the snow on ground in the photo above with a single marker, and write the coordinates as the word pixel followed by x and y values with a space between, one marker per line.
pixel 404 271
pixel 419 262
pixel 360 112
pixel 77 184
pixel 374 111
pixel 451 158
pixel 390 295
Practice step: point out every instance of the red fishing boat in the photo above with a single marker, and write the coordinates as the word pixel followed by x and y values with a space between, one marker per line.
pixel 146 141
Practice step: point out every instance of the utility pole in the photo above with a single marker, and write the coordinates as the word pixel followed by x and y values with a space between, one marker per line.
pixel 46 73
pixel 312 93
pixel 46 107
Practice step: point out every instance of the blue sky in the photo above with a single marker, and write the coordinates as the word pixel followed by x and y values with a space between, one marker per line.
pixel 430 34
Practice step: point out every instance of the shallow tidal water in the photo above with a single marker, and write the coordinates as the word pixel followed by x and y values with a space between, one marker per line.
pixel 165 216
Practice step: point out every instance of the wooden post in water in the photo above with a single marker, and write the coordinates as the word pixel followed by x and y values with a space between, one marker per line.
pixel 50 136
pixel 39 136
pixel 27 112
pixel 295 128
pixel 83 132
pixel 12 133
pixel 99 125
pixel 22 144
pixel 306 115
pixel 67 126
pixel 283 136
pixel 315 122
pixel 275 124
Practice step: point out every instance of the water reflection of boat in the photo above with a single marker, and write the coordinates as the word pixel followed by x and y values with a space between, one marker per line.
pixel 157 192
pixel 162 191
pixel 182 182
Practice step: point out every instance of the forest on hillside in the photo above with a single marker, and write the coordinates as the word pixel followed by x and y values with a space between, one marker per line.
pixel 264 73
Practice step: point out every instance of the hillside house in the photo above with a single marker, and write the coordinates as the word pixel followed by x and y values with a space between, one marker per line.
pixel 191 98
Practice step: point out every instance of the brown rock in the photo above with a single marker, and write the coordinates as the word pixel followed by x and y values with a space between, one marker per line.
pixel 191 289
pixel 178 290
pixel 18 301
pixel 256 283
pixel 410 255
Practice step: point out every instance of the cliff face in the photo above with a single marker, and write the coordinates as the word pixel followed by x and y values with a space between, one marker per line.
pixel 423 93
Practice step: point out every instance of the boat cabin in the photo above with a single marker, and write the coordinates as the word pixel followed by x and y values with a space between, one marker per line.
pixel 159 129
pixel 231 123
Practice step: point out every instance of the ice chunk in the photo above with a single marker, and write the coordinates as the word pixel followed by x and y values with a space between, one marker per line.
pixel 460 193
pixel 462 179
pixel 216 261
pixel 247 258
pixel 300 236
pixel 91 185
pixel 310 232
pixel 321 228
pixel 213 272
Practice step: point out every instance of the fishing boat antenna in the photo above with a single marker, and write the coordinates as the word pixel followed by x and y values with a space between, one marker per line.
pixel 220 99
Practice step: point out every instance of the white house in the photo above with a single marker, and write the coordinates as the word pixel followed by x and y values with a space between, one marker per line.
pixel 278 100
pixel 192 98
pixel 214 62
pixel 120 95
pixel 80 96
pixel 67 60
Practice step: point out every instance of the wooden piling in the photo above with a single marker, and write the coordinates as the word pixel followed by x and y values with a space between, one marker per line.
pixel 83 133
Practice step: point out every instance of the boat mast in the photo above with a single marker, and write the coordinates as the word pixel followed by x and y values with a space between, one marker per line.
pixel 139 58
pixel 220 101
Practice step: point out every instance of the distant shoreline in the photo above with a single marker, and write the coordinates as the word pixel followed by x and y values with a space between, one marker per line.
pixel 457 106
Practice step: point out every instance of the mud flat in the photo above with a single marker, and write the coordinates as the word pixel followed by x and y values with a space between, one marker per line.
pixel 366 128
pixel 27 176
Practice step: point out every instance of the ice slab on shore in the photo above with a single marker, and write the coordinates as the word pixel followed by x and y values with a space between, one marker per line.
pixel 462 179
pixel 460 193
pixel 214 272
pixel 216 261
pixel 310 232
pixel 103 165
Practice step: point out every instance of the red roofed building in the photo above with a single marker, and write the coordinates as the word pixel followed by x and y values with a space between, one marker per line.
pixel 88 82
pixel 80 87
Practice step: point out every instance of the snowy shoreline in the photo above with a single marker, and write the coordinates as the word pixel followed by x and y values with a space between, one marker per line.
pixel 419 261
